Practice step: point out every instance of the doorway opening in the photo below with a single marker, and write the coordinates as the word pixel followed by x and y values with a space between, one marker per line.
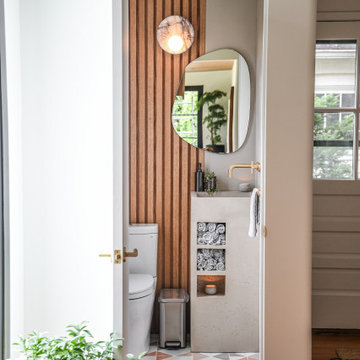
pixel 336 191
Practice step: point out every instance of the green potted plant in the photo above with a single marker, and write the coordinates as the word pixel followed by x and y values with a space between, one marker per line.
pixel 210 184
pixel 77 345
pixel 215 117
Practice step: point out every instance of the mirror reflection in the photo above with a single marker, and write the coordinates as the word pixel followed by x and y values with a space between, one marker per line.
pixel 211 110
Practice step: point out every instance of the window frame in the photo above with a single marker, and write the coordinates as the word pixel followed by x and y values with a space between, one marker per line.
pixel 200 90
pixel 342 31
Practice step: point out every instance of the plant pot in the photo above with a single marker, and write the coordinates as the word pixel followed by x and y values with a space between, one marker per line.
pixel 217 148
pixel 210 185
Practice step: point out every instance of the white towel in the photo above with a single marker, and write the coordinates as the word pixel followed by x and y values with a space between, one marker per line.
pixel 254 213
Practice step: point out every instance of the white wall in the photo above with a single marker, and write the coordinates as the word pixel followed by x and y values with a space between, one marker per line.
pixel 66 137
pixel 13 73
pixel 233 24
pixel 259 85
pixel 288 173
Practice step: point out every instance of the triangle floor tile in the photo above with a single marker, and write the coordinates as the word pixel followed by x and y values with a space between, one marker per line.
pixel 210 354
pixel 162 356
pixel 174 352
pixel 223 356
pixel 198 356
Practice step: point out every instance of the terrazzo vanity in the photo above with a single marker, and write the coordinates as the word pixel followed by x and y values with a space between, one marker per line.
pixel 223 255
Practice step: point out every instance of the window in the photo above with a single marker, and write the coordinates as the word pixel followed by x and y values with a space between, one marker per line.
pixel 187 120
pixel 336 110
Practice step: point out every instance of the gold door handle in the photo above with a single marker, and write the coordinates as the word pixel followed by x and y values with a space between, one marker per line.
pixel 117 256
pixel 127 254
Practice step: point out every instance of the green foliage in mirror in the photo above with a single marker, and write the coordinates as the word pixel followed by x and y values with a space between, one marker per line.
pixel 216 116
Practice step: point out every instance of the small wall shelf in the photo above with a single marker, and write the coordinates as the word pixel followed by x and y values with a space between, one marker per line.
pixel 210 259
pixel 218 280
pixel 211 233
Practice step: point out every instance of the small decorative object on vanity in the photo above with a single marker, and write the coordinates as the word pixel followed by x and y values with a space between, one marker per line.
pixel 210 185
pixel 210 289
pixel 244 187
pixel 199 179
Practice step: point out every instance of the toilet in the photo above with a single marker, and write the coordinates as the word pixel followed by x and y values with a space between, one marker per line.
pixel 142 286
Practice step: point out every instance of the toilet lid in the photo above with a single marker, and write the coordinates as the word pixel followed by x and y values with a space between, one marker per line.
pixel 140 285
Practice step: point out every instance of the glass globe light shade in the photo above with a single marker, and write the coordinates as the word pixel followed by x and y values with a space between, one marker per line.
pixel 175 34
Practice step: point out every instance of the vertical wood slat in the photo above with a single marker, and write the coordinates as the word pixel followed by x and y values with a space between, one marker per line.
pixel 142 110
pixel 132 110
pixel 162 166
pixel 150 123
pixel 159 57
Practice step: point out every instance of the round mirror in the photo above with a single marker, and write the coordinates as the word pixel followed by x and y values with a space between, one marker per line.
pixel 211 110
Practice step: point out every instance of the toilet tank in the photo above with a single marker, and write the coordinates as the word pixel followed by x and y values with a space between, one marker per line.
pixel 144 237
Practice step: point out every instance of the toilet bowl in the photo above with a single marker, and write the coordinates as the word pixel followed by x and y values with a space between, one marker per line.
pixel 141 302
pixel 142 286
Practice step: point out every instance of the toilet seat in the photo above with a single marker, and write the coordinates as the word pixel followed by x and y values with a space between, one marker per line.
pixel 140 285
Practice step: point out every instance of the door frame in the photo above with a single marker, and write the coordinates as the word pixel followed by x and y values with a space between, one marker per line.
pixel 120 162
pixel 4 201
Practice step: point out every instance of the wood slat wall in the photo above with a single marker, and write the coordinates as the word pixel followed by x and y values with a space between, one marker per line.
pixel 162 166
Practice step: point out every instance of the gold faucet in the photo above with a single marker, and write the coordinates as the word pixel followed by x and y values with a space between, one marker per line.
pixel 209 149
pixel 252 166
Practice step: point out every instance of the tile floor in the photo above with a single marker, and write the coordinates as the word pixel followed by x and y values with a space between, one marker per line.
pixel 155 353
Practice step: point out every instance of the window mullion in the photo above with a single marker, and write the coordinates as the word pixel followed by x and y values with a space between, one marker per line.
pixel 335 111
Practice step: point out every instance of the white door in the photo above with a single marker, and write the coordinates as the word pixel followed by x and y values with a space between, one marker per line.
pixel 64 77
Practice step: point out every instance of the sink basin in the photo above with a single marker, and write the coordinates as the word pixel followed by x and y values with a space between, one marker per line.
pixel 222 194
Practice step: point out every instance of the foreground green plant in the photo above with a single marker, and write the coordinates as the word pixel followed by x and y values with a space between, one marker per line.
pixel 133 357
pixel 77 345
